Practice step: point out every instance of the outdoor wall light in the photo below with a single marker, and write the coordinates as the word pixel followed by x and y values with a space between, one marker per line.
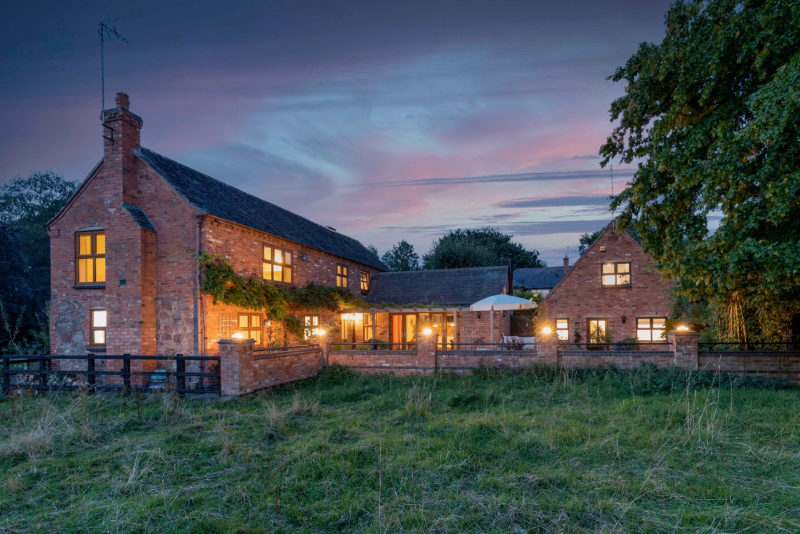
pixel 237 335
pixel 304 257
pixel 427 331
pixel 623 319
pixel 319 332
pixel 547 330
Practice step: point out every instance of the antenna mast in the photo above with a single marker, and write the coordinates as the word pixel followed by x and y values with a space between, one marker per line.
pixel 613 212
pixel 106 28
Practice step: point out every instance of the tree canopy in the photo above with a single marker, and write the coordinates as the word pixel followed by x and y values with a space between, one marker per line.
pixel 26 205
pixel 401 257
pixel 478 248
pixel 712 114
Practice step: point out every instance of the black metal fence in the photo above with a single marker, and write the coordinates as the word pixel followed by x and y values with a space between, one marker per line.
pixel 643 346
pixel 749 347
pixel 93 372
pixel 374 345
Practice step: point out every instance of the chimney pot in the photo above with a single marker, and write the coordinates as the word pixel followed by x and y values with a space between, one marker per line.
pixel 566 264
pixel 123 101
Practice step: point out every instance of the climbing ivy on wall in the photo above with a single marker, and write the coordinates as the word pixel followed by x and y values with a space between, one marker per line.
pixel 278 303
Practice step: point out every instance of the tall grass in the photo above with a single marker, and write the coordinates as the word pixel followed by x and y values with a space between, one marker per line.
pixel 539 451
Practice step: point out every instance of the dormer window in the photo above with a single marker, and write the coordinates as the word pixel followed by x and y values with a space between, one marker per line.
pixel 91 257
pixel 616 274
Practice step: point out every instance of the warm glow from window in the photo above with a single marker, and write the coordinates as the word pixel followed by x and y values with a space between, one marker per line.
pixel 91 261
pixel 97 327
pixel 616 274
pixel 562 329
pixel 650 328
pixel 276 265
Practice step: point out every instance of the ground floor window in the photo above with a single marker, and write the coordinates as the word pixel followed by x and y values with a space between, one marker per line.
pixel 598 330
pixel 349 329
pixel 650 328
pixel 562 329
pixel 310 326
pixel 97 327
pixel 251 325
pixel 404 327
pixel 367 326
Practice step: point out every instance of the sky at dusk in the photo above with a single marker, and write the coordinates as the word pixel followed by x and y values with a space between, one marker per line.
pixel 386 120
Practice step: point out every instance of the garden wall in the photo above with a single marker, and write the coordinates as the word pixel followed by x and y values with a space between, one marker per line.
pixel 244 371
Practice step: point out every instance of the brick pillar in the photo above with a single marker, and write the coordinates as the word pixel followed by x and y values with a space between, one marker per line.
pixel 547 348
pixel 426 352
pixel 684 348
pixel 236 366
pixel 325 343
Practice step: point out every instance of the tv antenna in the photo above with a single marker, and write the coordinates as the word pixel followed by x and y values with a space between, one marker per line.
pixel 106 29
pixel 613 212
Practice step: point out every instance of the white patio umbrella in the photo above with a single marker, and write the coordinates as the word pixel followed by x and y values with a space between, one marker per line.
pixel 501 303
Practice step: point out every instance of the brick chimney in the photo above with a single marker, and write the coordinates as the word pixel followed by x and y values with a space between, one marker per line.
pixel 120 138
pixel 566 264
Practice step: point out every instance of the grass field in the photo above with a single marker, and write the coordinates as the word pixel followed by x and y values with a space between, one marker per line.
pixel 533 452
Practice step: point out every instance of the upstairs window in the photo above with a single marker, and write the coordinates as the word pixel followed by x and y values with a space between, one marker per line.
pixel 650 328
pixel 97 327
pixel 616 274
pixel 277 265
pixel 364 282
pixel 91 256
pixel 562 329
pixel 341 276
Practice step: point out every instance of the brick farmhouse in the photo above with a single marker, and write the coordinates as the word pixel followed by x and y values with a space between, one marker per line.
pixel 125 275
pixel 612 293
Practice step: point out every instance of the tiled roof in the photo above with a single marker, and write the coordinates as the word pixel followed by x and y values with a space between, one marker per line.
pixel 538 277
pixel 226 202
pixel 139 216
pixel 442 287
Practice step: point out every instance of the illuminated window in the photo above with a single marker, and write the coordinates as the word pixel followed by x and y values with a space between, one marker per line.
pixel 650 328
pixel 341 276
pixel 364 282
pixel 277 265
pixel 616 274
pixel 367 326
pixel 310 324
pixel 562 329
pixel 97 327
pixel 598 330
pixel 91 260
pixel 251 325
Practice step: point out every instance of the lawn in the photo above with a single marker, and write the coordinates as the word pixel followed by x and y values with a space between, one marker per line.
pixel 539 451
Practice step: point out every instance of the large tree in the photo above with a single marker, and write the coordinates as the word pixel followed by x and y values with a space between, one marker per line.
pixel 401 257
pixel 712 114
pixel 26 205
pixel 478 248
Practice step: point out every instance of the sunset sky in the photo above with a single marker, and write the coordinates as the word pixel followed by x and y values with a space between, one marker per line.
pixel 386 120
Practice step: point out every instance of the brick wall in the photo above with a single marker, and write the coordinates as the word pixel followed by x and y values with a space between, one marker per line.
pixel 245 371
pixel 580 295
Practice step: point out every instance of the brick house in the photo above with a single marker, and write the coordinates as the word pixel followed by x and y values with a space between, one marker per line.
pixel 124 251
pixel 611 293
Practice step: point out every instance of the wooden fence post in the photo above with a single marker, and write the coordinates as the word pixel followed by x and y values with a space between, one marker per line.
pixel 126 372
pixel 181 370
pixel 90 378
pixel 5 375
